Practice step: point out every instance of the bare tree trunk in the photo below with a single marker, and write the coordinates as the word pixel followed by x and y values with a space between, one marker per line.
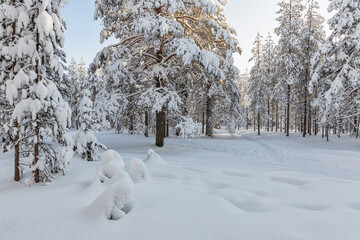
pixel 305 108
pixel 327 133
pixel 146 134
pixel 160 124
pixel 203 123
pixel 167 128
pixel 339 127
pixel 209 120
pixel 258 122
pixel 16 153
pixel 160 121
pixel 355 126
pixel 281 123
pixel 358 125
pixel 37 129
pixel 309 121
pixel 268 116
pixel 254 122
pixel 247 117
pixel 16 124
pixel 288 112
pixel 277 117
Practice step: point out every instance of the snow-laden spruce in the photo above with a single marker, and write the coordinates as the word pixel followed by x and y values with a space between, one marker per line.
pixel 336 73
pixel 86 143
pixel 289 52
pixel 31 58
pixel 258 89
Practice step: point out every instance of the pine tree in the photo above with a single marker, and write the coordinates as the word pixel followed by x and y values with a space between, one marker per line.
pixel 289 59
pixel 336 73
pixel 269 69
pixel 86 144
pixel 312 38
pixel 39 109
pixel 258 90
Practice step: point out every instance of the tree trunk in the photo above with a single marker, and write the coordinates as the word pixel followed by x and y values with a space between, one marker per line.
pixel 146 134
pixel 160 121
pixel 254 122
pixel 327 133
pixel 16 124
pixel 277 117
pixel 37 129
pixel 167 128
pixel 288 112
pixel 259 123
pixel 203 123
pixel 160 125
pixel 358 125
pixel 16 153
pixel 209 120
pixel 309 120
pixel 247 117
pixel 268 116
pixel 305 109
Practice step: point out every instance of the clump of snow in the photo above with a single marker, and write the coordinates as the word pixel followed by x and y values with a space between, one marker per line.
pixel 117 200
pixel 111 155
pixel 138 171
pixel 153 158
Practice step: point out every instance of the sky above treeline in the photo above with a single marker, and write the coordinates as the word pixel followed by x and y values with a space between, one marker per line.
pixel 247 17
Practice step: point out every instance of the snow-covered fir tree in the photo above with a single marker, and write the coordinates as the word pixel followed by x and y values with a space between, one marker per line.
pixel 336 71
pixel 289 58
pixel 269 69
pixel 258 90
pixel 312 38
pixel 39 109
pixel 86 144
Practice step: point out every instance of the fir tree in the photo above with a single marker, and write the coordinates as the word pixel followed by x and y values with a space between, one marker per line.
pixel 336 73
pixel 86 144
pixel 39 109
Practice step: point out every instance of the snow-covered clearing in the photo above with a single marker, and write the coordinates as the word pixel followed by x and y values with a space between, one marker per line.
pixel 241 187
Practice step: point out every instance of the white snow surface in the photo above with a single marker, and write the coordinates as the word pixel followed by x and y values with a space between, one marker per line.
pixel 230 187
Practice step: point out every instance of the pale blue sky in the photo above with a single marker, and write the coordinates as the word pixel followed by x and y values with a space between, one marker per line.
pixel 247 16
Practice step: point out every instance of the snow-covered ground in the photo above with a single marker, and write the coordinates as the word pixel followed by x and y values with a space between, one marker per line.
pixel 231 187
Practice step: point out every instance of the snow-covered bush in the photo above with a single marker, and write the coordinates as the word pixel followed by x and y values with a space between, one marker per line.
pixel 86 144
pixel 188 128
pixel 138 170
pixel 117 200
pixel 111 155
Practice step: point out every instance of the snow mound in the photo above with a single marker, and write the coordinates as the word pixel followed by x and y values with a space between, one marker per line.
pixel 153 158
pixel 138 170
pixel 117 200
pixel 111 155
pixel 115 186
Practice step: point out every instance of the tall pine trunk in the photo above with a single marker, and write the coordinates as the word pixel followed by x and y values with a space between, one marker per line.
pixel 209 120
pixel 288 112
pixel 37 129
pixel 268 116
pixel 258 123
pixel 146 134
pixel 16 124
pixel 160 121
